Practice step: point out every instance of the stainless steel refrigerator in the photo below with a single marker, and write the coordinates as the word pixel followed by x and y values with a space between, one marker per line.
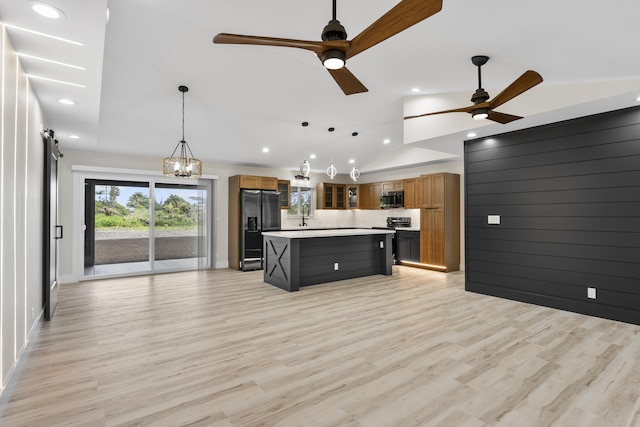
pixel 259 211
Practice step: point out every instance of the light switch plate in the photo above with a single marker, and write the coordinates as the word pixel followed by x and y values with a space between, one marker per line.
pixel 591 293
pixel 335 266
pixel 493 219
pixel 381 244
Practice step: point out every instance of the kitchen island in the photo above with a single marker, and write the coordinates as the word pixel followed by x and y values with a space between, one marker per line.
pixel 293 259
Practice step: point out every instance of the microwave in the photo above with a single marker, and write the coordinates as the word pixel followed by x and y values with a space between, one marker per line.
pixel 392 199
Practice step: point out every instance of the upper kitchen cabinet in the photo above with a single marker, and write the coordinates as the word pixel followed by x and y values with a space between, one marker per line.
pixel 410 188
pixel 376 189
pixel 432 187
pixel 332 196
pixel 284 187
pixel 364 196
pixel 392 185
pixel 258 182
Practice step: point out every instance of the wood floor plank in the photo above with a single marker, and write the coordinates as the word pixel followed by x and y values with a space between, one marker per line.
pixel 221 348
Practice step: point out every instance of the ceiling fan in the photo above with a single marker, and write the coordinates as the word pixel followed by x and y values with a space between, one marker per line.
pixel 481 109
pixel 335 49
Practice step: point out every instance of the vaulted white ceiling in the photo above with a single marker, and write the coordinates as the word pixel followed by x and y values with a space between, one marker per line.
pixel 245 98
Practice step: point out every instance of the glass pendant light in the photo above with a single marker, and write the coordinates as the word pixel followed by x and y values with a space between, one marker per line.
pixel 183 165
pixel 305 168
pixel 354 174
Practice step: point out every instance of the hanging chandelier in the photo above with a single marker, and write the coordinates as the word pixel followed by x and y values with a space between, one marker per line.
pixel 183 165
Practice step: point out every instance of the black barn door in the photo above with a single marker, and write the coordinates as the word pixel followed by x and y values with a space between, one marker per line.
pixel 51 230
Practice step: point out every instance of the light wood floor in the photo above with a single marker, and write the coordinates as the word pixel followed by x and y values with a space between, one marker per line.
pixel 221 348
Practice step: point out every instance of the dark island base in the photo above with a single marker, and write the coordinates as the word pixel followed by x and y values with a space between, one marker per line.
pixel 293 263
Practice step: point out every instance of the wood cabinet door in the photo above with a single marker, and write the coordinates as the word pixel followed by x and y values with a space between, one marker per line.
pixel 376 189
pixel 258 182
pixel 364 196
pixel 437 190
pixel 432 238
pixel 392 185
pixel 409 186
pixel 426 188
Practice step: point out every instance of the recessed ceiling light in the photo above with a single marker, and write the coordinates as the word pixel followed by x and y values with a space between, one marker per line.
pixel 312 156
pixel 74 137
pixel 351 161
pixel 265 150
pixel 415 90
pixel 386 141
pixel 48 11
pixel 67 101
pixel 472 134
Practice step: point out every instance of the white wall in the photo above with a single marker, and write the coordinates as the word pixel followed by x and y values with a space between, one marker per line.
pixel 21 210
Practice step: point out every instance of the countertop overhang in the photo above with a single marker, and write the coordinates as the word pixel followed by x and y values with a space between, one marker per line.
pixel 305 234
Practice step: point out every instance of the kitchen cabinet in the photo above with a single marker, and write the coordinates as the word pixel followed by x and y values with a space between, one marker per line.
pixel 376 189
pixel 332 196
pixel 431 189
pixel 410 188
pixel 284 187
pixel 407 245
pixel 440 221
pixel 364 196
pixel 258 182
pixel 392 185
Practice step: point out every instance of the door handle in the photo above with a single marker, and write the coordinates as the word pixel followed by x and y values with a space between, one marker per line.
pixel 61 233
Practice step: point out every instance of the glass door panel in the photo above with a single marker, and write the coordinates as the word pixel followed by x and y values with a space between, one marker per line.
pixel 180 227
pixel 117 227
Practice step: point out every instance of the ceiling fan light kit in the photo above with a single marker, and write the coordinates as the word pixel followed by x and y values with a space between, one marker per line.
pixel 334 59
pixel 335 49
pixel 482 107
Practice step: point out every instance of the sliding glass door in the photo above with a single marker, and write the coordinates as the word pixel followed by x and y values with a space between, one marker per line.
pixel 135 227
pixel 180 226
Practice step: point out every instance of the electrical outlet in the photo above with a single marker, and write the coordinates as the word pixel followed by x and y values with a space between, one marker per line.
pixel 335 266
pixel 381 244
pixel 33 313
pixel 591 293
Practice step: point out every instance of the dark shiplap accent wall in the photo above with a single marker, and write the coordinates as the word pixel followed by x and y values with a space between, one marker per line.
pixel 569 199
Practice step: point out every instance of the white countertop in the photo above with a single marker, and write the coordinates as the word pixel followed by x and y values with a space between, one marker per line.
pixel 408 228
pixel 303 234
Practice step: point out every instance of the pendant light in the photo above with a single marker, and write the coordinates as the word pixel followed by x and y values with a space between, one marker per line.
pixel 184 165
pixel 332 171
pixel 305 169
pixel 354 174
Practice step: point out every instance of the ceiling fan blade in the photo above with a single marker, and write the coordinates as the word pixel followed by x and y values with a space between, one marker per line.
pixel 399 18
pixel 314 46
pixel 347 81
pixel 523 83
pixel 502 117
pixel 455 110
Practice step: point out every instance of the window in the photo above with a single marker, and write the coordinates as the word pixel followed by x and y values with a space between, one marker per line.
pixel 301 197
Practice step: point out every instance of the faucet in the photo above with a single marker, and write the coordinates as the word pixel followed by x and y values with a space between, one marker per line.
pixel 304 224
